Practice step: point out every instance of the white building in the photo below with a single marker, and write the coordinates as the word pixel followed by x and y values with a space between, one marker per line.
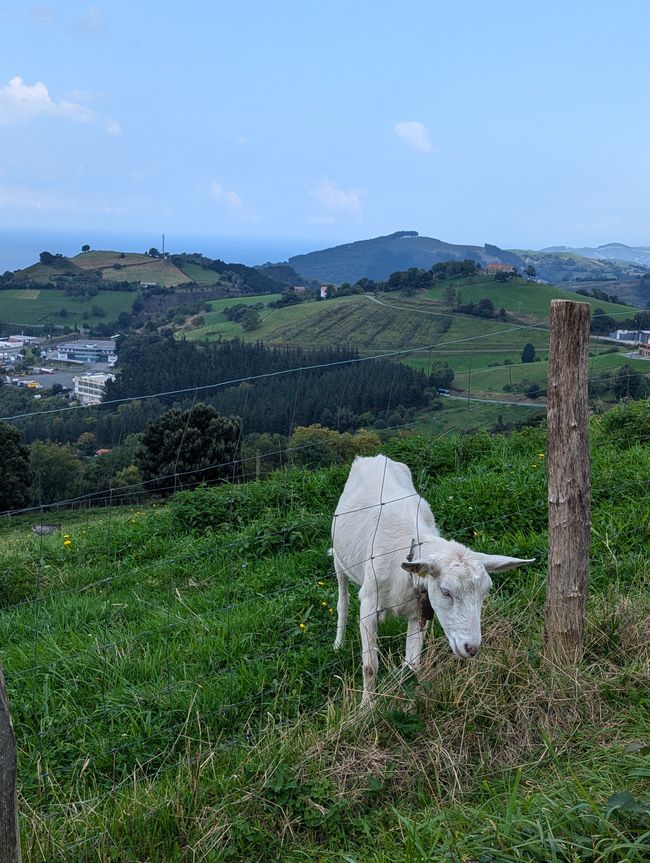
pixel 98 351
pixel 89 389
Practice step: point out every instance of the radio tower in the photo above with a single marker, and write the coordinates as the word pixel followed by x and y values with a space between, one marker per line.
pixel 163 246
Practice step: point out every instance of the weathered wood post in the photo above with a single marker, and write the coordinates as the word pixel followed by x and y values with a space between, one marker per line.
pixel 9 836
pixel 569 512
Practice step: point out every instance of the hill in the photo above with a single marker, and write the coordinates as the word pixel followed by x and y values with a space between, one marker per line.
pixel 119 266
pixel 379 257
pixel 608 252
pixel 176 696
pixel 570 266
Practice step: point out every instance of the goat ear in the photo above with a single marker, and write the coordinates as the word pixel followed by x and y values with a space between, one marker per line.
pixel 416 567
pixel 499 562
pixel 423 568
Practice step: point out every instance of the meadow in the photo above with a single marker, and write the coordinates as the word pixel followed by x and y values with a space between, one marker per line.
pixel 38 307
pixel 176 697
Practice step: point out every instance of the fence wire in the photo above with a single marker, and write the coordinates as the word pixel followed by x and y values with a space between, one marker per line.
pixel 135 724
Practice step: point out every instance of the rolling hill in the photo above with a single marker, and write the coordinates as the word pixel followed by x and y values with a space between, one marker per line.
pixel 377 258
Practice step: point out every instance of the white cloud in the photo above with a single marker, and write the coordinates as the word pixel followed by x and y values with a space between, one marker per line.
pixel 20 102
pixel 232 201
pixel 112 127
pixel 335 199
pixel 414 134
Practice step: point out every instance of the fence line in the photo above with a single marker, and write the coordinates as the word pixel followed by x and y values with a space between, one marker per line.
pixel 180 686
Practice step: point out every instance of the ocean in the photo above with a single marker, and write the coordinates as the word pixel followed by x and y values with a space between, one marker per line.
pixel 21 248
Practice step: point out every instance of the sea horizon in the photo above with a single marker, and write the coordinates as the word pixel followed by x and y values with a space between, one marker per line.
pixel 20 248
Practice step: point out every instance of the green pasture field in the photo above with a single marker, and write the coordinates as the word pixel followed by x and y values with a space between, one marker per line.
pixel 176 698
pixel 154 271
pixel 200 275
pixel 494 379
pixel 21 307
pixel 520 298
pixel 99 260
pixel 216 324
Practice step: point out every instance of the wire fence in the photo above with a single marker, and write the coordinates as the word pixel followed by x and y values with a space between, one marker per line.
pixel 140 633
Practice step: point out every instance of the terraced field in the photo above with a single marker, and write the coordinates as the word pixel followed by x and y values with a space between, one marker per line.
pixel 132 267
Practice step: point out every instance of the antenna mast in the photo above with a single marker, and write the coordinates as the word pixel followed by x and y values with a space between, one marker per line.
pixel 163 245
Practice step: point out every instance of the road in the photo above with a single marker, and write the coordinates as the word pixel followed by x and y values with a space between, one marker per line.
pixel 539 405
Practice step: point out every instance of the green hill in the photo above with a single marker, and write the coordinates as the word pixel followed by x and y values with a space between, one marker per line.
pixel 379 257
pixel 175 694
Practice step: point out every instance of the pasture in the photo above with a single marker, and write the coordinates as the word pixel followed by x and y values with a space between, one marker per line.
pixel 176 697
pixel 34 308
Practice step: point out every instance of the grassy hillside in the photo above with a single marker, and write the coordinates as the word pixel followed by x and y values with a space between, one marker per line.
pixel 176 698
pixel 484 354
pixel 132 267
pixel 31 307
pixel 522 299
pixel 39 272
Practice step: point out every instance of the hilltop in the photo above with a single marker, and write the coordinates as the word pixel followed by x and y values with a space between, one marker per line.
pixel 377 258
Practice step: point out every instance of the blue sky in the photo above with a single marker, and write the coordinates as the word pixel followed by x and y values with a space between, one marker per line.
pixel 520 124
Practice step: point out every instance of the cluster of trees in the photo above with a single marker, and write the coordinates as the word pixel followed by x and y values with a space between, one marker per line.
pixel 246 315
pixel 180 449
pixel 340 392
pixel 602 323
pixel 599 294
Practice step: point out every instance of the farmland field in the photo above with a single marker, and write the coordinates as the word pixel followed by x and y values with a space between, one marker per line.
pixel 22 307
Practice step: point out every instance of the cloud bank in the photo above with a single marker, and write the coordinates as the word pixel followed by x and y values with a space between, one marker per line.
pixel 20 102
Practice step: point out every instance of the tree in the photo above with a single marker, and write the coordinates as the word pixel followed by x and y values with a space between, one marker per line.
pixel 528 354
pixel 14 476
pixel 153 252
pixel 441 375
pixel 56 472
pixel 530 272
pixel 251 320
pixel 181 449
pixel 85 248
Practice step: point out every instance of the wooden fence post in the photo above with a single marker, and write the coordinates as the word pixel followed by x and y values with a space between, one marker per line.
pixel 9 836
pixel 569 513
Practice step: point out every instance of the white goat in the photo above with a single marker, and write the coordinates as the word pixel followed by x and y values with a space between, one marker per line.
pixel 380 521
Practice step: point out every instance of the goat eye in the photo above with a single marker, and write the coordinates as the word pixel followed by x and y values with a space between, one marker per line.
pixel 445 592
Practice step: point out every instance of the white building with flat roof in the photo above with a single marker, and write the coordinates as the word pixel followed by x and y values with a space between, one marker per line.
pixel 89 389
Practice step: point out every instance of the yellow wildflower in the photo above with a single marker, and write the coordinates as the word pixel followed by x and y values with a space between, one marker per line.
pixel 324 603
pixel 302 626
pixel 321 584
pixel 67 542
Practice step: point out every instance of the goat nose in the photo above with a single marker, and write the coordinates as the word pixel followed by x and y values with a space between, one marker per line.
pixel 471 649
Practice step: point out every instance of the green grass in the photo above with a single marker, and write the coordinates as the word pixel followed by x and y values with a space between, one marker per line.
pixel 200 274
pixel 483 379
pixel 20 306
pixel 132 267
pixel 521 298
pixel 169 707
